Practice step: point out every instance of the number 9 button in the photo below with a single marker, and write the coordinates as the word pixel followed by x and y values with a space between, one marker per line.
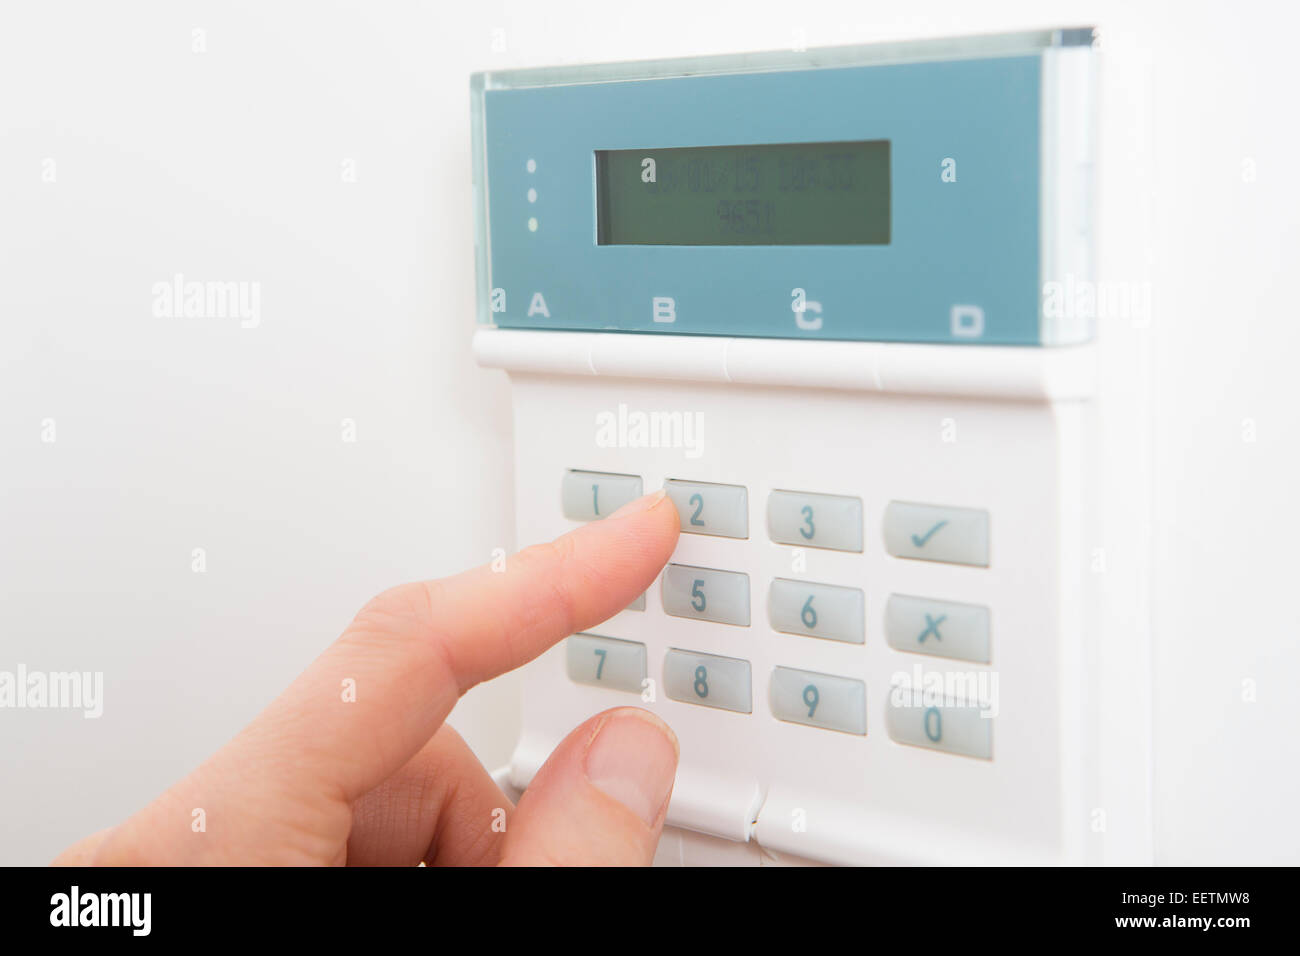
pixel 818 700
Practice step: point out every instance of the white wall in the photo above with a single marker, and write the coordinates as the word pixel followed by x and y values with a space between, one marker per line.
pixel 176 434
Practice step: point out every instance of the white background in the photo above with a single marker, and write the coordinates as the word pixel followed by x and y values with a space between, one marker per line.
pixel 176 434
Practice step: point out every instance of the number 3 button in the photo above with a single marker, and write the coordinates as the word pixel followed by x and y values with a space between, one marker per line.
pixel 815 521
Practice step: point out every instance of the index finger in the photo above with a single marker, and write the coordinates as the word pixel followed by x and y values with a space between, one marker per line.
pixel 414 650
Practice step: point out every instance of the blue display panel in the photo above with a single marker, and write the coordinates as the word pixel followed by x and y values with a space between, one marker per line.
pixel 962 260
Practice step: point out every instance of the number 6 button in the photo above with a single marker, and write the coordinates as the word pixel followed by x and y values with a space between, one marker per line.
pixel 706 508
pixel 815 521
pixel 818 610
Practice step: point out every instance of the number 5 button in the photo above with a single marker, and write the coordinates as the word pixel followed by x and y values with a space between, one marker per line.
pixel 706 594
pixel 815 521
pixel 706 508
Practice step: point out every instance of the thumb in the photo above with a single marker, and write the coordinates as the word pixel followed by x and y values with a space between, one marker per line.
pixel 600 798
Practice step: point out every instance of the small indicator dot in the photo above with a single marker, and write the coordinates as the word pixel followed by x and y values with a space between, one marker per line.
pixel 532 224
pixel 532 165
pixel 532 195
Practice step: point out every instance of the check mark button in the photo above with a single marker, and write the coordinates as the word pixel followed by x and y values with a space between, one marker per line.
pixel 926 532
pixel 920 539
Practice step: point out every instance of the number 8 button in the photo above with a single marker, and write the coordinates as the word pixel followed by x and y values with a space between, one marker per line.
pixel 722 682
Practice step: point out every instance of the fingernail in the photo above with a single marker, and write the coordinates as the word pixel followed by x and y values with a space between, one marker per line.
pixel 644 503
pixel 634 760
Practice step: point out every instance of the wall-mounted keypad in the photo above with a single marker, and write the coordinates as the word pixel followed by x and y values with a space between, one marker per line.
pixel 833 610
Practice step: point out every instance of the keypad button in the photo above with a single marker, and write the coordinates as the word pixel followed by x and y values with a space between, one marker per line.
pixel 722 682
pixel 605 662
pixel 706 508
pixel 815 521
pixel 818 610
pixel 937 533
pixel 706 594
pixel 956 729
pixel 941 628
pixel 638 603
pixel 588 495
pixel 818 700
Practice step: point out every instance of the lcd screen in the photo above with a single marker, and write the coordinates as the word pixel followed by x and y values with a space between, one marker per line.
pixel 773 194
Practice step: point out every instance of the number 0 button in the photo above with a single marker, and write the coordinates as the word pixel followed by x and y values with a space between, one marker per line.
pixel 708 680
pixel 815 521
pixel 706 594
pixel 938 725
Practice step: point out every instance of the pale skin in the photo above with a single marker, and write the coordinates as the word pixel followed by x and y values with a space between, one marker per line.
pixel 316 779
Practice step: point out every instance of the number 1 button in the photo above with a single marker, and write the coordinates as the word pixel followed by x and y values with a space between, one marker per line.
pixel 589 495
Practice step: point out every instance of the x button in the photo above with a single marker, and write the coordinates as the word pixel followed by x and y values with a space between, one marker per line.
pixel 932 627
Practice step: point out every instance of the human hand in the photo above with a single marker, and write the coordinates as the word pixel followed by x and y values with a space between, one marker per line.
pixel 316 779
